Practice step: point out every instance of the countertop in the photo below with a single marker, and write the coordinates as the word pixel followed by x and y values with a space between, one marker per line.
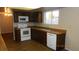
pixel 50 30
pixel 46 29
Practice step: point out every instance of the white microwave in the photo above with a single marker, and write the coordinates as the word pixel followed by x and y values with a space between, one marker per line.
pixel 23 18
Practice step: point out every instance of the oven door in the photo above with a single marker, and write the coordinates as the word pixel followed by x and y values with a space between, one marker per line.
pixel 25 32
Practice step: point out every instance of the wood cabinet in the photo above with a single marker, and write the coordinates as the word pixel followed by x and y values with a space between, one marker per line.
pixel 36 17
pixel 39 36
pixel 17 35
pixel 49 39
pixel 17 13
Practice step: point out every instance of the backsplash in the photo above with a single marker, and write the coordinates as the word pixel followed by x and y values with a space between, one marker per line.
pixel 48 25
pixel 29 24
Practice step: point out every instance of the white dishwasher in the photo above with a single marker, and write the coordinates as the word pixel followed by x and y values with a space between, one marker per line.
pixel 51 40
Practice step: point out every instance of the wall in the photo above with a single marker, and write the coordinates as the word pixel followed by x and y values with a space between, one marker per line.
pixel 6 23
pixel 50 8
pixel 69 20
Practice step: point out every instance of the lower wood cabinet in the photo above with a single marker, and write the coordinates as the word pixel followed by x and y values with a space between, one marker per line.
pixel 17 35
pixel 39 36
pixel 53 41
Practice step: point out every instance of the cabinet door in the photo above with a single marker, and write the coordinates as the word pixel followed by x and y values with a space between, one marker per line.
pixel 39 36
pixel 17 35
pixel 42 37
pixel 36 17
pixel 60 41
pixel 51 41
pixel 34 34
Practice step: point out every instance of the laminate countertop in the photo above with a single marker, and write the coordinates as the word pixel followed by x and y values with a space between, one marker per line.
pixel 2 44
pixel 50 30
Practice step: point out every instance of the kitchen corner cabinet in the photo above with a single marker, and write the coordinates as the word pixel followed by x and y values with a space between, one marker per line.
pixel 39 36
pixel 36 17
pixel 55 41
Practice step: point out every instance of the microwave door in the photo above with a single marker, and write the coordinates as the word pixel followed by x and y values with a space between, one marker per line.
pixel 23 18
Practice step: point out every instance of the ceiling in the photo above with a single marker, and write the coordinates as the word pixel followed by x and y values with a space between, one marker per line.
pixel 24 8
pixel 37 8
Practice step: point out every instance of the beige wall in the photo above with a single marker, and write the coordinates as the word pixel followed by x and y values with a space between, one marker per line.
pixel 69 20
pixel 6 23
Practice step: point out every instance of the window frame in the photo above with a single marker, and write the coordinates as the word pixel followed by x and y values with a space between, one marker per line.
pixel 44 17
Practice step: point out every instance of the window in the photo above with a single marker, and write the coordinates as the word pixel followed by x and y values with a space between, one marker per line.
pixel 51 17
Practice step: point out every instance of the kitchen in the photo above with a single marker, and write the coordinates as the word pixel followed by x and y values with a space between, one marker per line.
pixel 28 25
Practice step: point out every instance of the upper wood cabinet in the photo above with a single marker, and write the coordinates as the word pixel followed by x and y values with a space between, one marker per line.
pixel 17 13
pixel 36 17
